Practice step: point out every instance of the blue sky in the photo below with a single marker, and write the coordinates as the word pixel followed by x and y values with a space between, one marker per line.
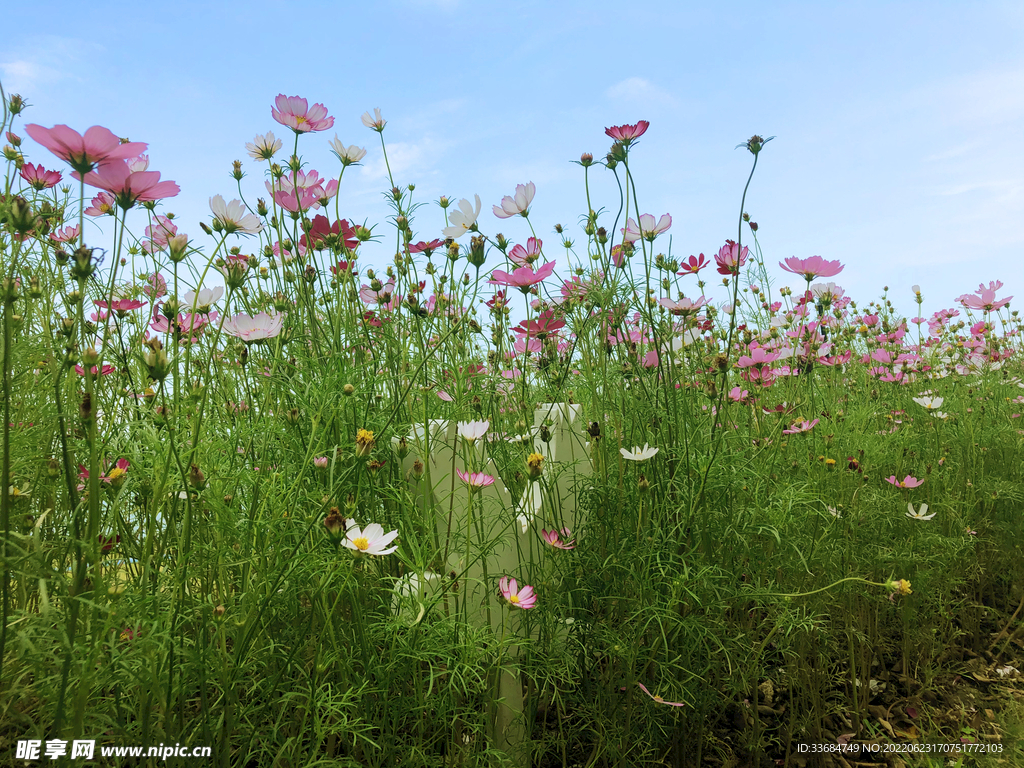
pixel 899 125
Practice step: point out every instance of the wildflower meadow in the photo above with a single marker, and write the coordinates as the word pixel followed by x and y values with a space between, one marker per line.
pixel 522 497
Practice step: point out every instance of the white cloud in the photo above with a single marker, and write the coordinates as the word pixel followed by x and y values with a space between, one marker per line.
pixel 637 90
pixel 407 161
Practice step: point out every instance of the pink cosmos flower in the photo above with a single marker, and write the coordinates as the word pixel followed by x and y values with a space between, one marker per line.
pixel 800 426
pixel 95 371
pixel 65 235
pixel 84 153
pixel 475 480
pixel 101 205
pixel 295 113
pixel 524 257
pixel 250 328
pixel 519 205
pixel 626 134
pixel 693 265
pixel 424 247
pixel 156 286
pixel 906 482
pixel 545 325
pixel 647 229
pixel 522 278
pixel 121 306
pixel 812 267
pixel 554 539
pixel 130 187
pixel 38 177
pixel 731 258
pixel 758 357
pixel 659 699
pixel 985 298
pixel 520 598
pixel 320 462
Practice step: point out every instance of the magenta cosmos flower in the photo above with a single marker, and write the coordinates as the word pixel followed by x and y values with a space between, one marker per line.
pixel 129 187
pixel 520 204
pixel 812 267
pixel 475 480
pixel 520 598
pixel 254 328
pixel 731 258
pixel 693 265
pixel 627 133
pixel 523 278
pixel 83 153
pixel 295 112
pixel 38 177
pixel 906 482
pixel 647 229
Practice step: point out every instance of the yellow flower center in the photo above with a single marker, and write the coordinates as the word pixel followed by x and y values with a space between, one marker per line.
pixel 361 543
pixel 115 473
pixel 300 119
pixel 658 698
pixel 514 599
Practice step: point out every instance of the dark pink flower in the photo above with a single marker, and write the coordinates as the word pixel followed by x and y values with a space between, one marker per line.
pixel 693 265
pixel 130 187
pixel 627 133
pixel 84 153
pixel 425 247
pixel 554 538
pixel 812 267
pixel 296 113
pixel 38 177
pixel 731 258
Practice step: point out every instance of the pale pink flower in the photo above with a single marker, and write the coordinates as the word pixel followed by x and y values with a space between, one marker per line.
pixel 475 480
pixel 129 187
pixel 371 540
pixel 254 328
pixel 812 267
pixel 320 462
pixel 758 357
pixel 138 164
pixel 985 298
pixel 659 699
pixel 295 112
pixel 647 229
pixel 156 286
pixel 83 153
pixel 264 146
pixel 522 278
pixel 375 121
pixel 554 538
pixel 232 216
pixel 159 234
pixel 626 134
pixel 38 177
pixel 683 306
pixel 907 482
pixel 518 205
pixel 519 598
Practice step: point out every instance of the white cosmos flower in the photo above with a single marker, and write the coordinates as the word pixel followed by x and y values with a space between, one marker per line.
pixel 471 431
pixel 347 155
pixel 920 514
pixel 233 216
pixel 371 540
pixel 462 219
pixel 639 454
pixel 264 146
pixel 375 121
pixel 206 297
pixel 929 402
